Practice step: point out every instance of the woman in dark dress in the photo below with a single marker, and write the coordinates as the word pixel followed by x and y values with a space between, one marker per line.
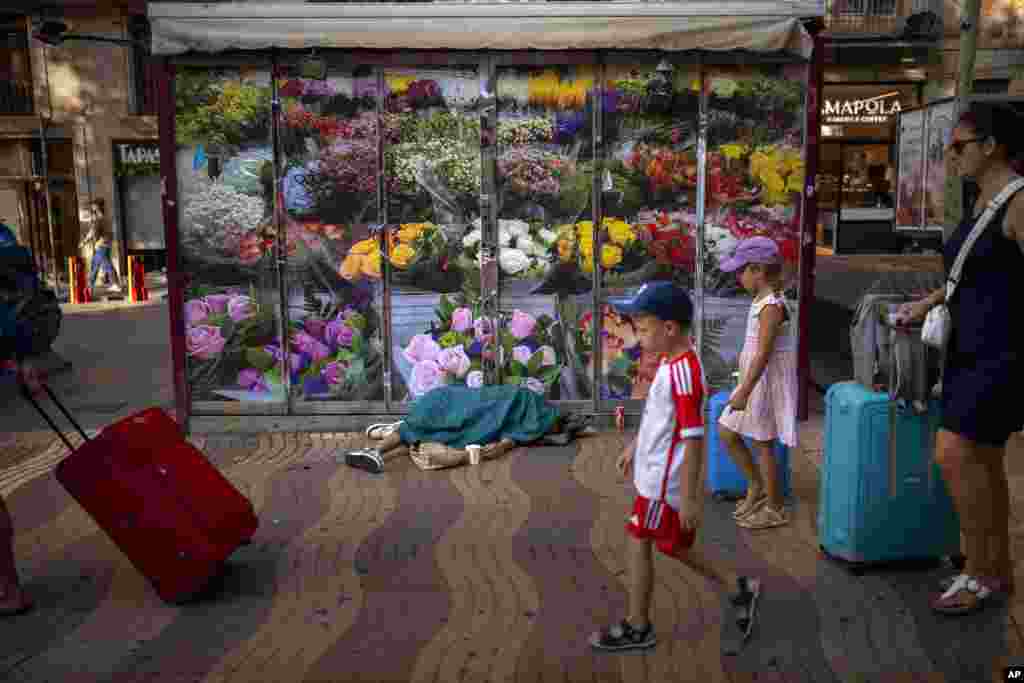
pixel 984 368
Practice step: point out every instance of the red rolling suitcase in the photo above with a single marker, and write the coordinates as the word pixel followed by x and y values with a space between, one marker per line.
pixel 158 498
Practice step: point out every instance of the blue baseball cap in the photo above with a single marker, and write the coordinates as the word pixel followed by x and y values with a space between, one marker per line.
pixel 663 300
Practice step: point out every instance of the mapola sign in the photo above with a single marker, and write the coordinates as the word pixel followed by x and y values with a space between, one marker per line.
pixel 871 110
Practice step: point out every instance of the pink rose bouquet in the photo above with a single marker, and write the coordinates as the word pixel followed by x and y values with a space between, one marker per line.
pixel 453 351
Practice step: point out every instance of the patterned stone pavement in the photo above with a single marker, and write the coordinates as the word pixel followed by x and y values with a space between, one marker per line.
pixel 489 573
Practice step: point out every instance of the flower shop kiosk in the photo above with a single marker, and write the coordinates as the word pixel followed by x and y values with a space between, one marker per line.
pixel 365 201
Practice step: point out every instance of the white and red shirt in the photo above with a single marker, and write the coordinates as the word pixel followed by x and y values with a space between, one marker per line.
pixel 673 413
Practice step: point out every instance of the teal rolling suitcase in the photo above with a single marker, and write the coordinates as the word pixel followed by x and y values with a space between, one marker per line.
pixel 882 498
pixel 724 479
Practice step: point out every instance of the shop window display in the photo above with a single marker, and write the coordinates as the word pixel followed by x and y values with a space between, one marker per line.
pixel 329 135
pixel 227 232
pixel 432 180
pixel 755 180
pixel 649 202
pixel 390 182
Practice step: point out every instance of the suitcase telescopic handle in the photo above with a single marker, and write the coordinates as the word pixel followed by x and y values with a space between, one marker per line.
pixel 49 420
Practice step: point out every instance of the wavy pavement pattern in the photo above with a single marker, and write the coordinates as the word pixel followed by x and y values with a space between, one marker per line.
pixel 491 594
pixel 119 610
pixel 685 610
pixel 319 594
pixel 405 595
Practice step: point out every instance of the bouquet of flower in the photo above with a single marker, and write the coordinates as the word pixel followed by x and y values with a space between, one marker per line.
pixel 623 248
pixel 364 261
pixel 424 93
pixel 667 171
pixel 220 325
pixel 342 182
pixel 525 130
pixel 525 248
pixel 620 352
pixel 547 89
pixel 779 170
pixel 452 352
pixel 728 181
pixel 529 171
pixel 455 165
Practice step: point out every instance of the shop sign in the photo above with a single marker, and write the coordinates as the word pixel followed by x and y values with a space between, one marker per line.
pixel 137 159
pixel 877 110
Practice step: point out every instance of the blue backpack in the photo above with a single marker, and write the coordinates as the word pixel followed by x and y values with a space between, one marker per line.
pixel 30 314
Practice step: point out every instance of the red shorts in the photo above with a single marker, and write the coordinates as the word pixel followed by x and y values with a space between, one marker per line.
pixel 660 523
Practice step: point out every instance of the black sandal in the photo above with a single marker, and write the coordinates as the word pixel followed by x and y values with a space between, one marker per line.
pixel 623 636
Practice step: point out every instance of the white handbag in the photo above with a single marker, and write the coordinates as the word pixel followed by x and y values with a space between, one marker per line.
pixel 938 325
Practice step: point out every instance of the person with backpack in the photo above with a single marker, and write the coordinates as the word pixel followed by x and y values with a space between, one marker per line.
pixel 29 320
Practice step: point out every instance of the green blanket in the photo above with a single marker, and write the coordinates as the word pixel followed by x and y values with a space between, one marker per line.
pixel 458 416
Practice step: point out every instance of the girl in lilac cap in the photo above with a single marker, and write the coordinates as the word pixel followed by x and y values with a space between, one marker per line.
pixel 763 406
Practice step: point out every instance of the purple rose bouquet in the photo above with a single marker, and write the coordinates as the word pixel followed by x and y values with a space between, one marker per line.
pixel 453 350
pixel 219 325
pixel 333 356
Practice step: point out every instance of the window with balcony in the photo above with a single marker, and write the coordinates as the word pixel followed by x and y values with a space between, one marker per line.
pixel 15 72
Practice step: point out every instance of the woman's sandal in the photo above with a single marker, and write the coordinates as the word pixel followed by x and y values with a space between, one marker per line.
pixel 947 583
pixel 980 591
pixel 747 506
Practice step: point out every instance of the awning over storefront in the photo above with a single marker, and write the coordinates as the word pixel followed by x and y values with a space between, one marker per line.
pixel 765 26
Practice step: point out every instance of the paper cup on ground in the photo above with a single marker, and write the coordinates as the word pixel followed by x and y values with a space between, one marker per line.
pixel 474 454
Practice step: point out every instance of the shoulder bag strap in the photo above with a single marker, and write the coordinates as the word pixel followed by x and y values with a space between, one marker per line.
pixel 979 227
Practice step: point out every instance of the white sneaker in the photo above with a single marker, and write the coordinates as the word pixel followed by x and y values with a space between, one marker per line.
pixel 115 288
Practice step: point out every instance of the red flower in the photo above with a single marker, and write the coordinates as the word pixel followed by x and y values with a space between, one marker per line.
pixel 790 249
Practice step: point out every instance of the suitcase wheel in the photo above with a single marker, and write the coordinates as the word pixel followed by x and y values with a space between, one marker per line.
pixel 855 568
pixel 959 561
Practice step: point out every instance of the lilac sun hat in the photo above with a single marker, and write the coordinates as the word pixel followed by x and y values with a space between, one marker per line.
pixel 761 250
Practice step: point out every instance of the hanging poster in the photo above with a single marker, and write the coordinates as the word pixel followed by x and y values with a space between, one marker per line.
pixel 939 128
pixel 910 186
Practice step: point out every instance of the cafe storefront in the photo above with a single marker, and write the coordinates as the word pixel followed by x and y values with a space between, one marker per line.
pixel 859 166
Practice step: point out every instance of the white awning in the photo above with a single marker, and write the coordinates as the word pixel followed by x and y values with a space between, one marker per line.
pixel 753 25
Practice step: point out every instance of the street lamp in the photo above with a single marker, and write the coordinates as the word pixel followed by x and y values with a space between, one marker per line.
pixel 54 33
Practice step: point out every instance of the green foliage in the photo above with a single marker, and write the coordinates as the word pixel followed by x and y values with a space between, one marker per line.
pixel 218 112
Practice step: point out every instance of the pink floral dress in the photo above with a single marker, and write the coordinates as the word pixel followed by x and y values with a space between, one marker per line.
pixel 771 409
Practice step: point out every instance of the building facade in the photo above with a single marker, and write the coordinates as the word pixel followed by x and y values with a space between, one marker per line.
pixel 884 57
pixel 75 115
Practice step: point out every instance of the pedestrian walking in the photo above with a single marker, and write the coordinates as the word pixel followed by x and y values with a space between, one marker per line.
pixel 666 459
pixel 99 238
pixel 762 408
pixel 984 356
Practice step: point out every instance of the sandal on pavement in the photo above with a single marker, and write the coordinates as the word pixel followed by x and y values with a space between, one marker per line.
pixel 967 594
pixel 947 583
pixel 748 506
pixel 623 636
pixel 744 603
pixel 765 517
pixel 368 460
pixel 380 431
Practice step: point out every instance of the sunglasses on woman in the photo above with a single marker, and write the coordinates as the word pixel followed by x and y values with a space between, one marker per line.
pixel 957 146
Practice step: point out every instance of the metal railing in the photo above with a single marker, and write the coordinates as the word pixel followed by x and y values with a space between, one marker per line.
pixel 883 18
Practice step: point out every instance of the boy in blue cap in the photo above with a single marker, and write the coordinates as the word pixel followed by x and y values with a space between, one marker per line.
pixel 666 458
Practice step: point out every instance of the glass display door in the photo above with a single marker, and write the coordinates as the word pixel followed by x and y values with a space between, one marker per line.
pixel 358 234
